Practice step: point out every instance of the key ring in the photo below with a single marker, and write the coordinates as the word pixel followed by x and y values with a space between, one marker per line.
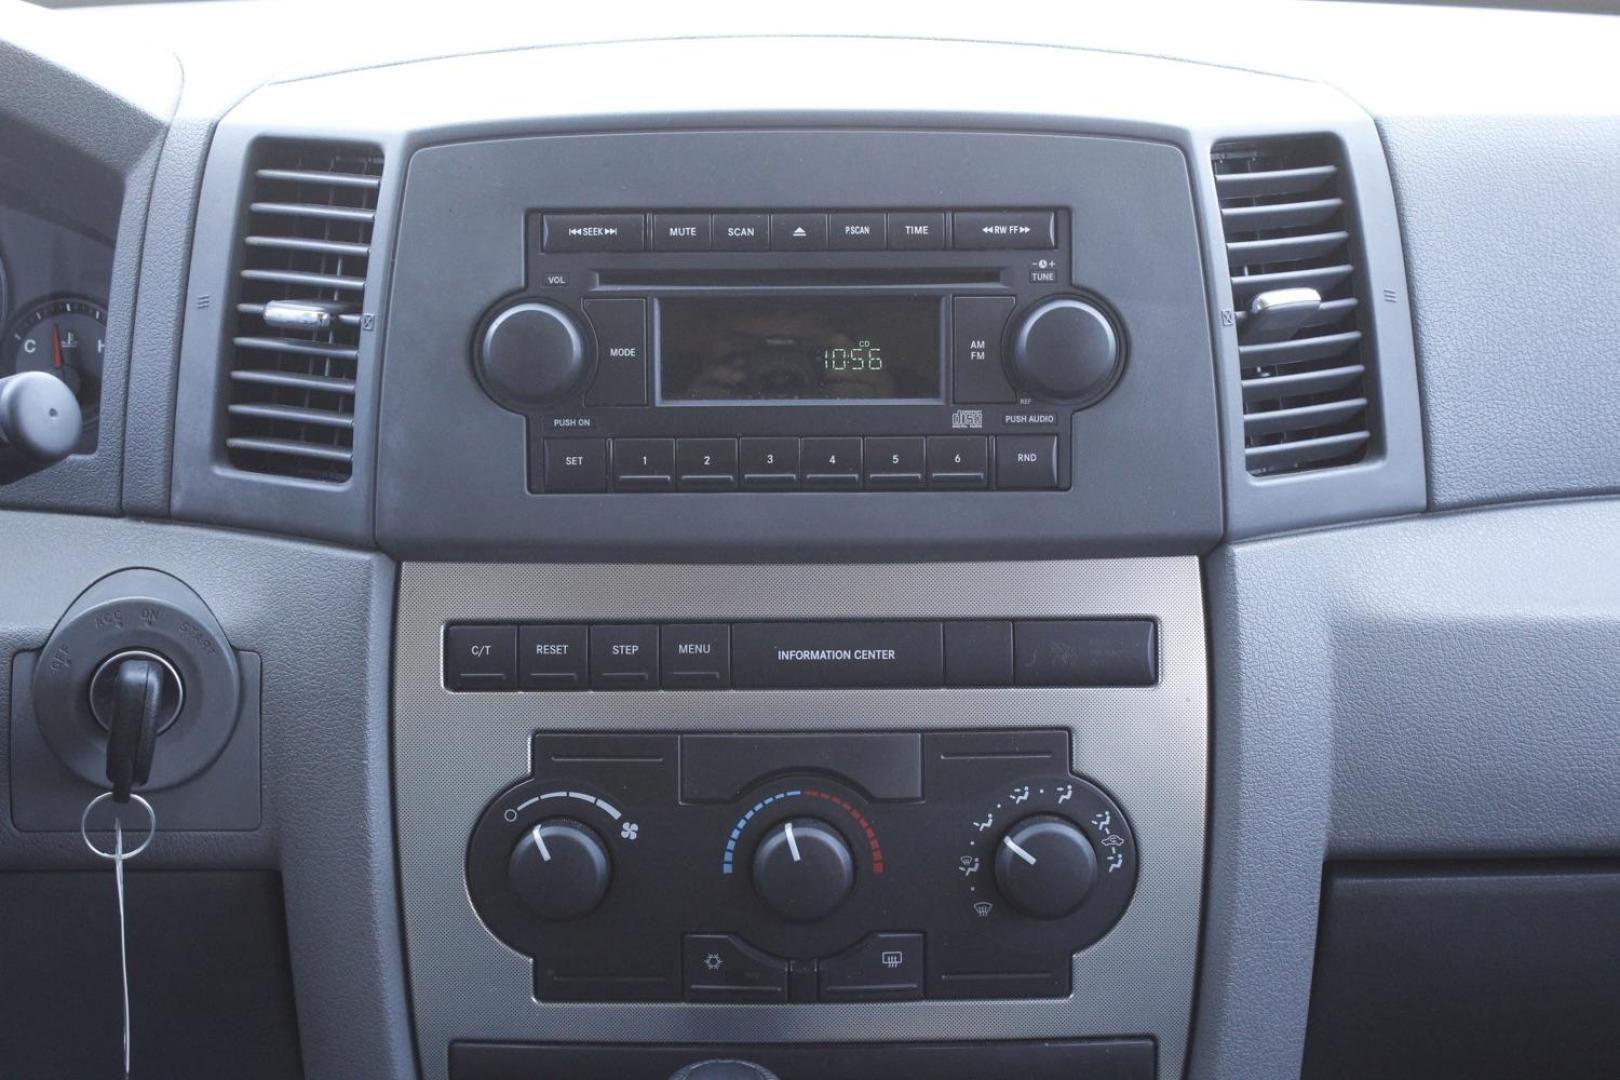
pixel 84 826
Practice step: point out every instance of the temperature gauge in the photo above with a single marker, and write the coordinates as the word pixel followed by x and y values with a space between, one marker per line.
pixel 65 337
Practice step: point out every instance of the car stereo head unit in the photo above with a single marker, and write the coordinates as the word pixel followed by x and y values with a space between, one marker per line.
pixel 799 350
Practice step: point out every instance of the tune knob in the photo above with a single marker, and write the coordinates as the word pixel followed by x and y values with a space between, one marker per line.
pixel 803 869
pixel 1045 866
pixel 560 869
pixel 1064 350
pixel 531 353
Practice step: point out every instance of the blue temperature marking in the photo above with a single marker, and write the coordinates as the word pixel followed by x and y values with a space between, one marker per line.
pixel 727 859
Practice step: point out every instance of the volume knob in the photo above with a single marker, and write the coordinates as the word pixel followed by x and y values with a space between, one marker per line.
pixel 560 869
pixel 1064 350
pixel 531 354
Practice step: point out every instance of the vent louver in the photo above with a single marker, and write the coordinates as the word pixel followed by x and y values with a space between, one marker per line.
pixel 306 245
pixel 1290 245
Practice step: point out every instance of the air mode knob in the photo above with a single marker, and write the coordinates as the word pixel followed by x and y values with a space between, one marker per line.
pixel 1045 866
pixel 560 869
pixel 531 354
pixel 803 869
pixel 1064 350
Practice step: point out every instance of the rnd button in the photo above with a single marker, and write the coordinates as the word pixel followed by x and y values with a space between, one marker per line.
pixel 1026 462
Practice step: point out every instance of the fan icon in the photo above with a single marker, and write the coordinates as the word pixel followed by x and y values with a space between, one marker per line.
pixel 629 830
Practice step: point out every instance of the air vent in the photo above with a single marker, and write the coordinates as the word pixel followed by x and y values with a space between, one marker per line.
pixel 295 341
pixel 1291 248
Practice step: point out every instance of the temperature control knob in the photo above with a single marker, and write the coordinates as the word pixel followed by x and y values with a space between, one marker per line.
pixel 803 869
pixel 1064 350
pixel 530 354
pixel 560 869
pixel 1045 866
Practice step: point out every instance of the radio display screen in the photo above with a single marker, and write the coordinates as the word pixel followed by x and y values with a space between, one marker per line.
pixel 799 349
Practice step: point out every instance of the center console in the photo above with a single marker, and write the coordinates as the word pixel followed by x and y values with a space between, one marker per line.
pixel 689 765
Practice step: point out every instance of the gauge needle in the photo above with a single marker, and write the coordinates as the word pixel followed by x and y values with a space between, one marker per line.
pixel 56 347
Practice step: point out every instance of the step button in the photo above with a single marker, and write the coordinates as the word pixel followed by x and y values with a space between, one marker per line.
pixel 624 657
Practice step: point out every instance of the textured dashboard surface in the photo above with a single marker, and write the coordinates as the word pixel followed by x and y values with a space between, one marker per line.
pixel 453 752
pixel 1437 687
pixel 1512 229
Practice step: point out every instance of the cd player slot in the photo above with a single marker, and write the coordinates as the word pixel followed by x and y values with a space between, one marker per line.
pixel 798 277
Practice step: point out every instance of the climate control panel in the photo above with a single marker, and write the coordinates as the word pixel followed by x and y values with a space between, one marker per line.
pixel 761 868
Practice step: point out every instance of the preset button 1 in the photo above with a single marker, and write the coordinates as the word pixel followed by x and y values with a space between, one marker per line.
pixel 643 464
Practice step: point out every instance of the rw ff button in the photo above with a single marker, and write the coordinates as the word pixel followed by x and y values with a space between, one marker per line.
pixel 480 657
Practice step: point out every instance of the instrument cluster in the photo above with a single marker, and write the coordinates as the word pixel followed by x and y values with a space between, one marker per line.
pixel 53 307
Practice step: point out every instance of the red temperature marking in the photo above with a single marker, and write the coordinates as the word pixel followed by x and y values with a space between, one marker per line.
pixel 860 820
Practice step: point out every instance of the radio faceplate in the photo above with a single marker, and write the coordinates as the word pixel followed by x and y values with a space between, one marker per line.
pixel 471 425
pixel 796 350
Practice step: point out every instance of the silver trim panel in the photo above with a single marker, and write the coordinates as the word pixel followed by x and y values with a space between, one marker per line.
pixel 1147 746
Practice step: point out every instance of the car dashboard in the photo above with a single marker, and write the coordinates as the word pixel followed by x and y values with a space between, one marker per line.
pixel 792 546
